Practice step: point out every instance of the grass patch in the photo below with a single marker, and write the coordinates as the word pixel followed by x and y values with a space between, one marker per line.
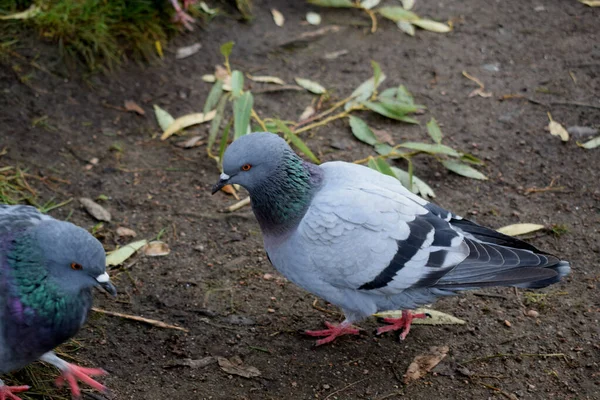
pixel 99 34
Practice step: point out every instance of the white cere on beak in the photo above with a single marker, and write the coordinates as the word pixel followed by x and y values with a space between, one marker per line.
pixel 224 177
pixel 103 278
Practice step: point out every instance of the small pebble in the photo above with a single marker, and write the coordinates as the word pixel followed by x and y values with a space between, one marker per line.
pixel 267 277
pixel 532 314
pixel 507 323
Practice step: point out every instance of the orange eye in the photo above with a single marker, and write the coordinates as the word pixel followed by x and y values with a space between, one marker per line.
pixel 246 167
pixel 76 266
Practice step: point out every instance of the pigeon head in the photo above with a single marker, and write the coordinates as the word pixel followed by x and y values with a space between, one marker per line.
pixel 73 258
pixel 251 160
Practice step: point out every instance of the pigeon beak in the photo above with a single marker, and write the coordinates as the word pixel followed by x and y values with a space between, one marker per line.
pixel 104 281
pixel 223 180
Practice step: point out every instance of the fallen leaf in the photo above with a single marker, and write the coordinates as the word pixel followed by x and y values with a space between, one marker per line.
pixel 397 14
pixel 313 18
pixel 307 113
pixel 383 136
pixel 590 144
pixel 123 232
pixel 335 54
pixel 434 131
pixel 591 3
pixel 119 256
pixel 277 17
pixel 29 13
pixel 418 186
pixel 235 366
pixel 437 317
pixel 191 142
pixel 463 169
pixel 557 129
pixel 210 78
pixel 131 105
pixel 408 4
pixel 361 130
pixel 187 120
pixel 520 229
pixel 266 79
pixel 156 248
pixel 422 364
pixel 229 189
pixel 311 86
pixel 163 118
pixel 432 26
pixel 158 47
pixel 184 52
pixel 193 364
pixel 406 27
pixel 95 209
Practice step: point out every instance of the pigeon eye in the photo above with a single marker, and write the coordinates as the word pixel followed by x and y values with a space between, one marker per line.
pixel 76 266
pixel 246 167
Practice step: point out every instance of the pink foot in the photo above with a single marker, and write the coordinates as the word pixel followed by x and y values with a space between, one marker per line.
pixel 6 392
pixel 403 323
pixel 74 372
pixel 181 16
pixel 345 328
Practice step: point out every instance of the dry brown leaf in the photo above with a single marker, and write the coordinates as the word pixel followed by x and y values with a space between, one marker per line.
pixel 229 189
pixel 193 364
pixel 156 248
pixel 235 366
pixel 131 105
pixel 123 232
pixel 187 120
pixel 278 17
pixel 95 209
pixel 191 142
pixel 422 364
pixel 383 136
pixel 557 129
pixel 307 113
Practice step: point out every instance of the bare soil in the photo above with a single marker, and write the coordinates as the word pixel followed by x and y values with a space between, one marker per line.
pixel 213 281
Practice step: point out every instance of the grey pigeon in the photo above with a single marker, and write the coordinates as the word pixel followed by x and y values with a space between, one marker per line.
pixel 47 270
pixel 360 240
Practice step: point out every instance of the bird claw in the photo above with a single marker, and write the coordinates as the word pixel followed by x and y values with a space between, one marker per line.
pixel 333 332
pixel 73 372
pixel 6 392
pixel 403 323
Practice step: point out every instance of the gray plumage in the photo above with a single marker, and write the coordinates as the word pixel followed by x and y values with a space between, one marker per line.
pixel 47 270
pixel 360 240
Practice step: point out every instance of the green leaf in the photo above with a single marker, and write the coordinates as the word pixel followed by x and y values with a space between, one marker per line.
pixel 376 73
pixel 431 148
pixel 361 130
pixel 388 94
pixel 418 186
pixel 119 256
pixel 272 127
pixel 471 159
pixel 226 49
pixel 384 167
pixel 380 109
pixel 242 110
pixel 463 169
pixel 590 144
pixel 215 124
pixel 224 140
pixel 404 96
pixel 333 3
pixel 237 83
pixel 296 141
pixel 383 149
pixel 432 26
pixel 163 118
pixel 406 27
pixel 397 13
pixel 311 86
pixel 364 91
pixel 213 96
pixel 434 131
pixel 401 108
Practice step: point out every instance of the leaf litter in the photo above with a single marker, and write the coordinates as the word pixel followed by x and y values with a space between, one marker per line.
pixel 95 209
pixel 235 366
pixel 424 363
pixel 520 229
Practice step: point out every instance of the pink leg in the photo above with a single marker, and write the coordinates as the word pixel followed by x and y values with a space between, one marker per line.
pixel 181 15
pixel 403 323
pixel 70 373
pixel 188 3
pixel 333 331
pixel 6 392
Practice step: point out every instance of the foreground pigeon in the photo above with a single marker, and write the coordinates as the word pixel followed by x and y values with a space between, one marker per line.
pixel 361 241
pixel 47 270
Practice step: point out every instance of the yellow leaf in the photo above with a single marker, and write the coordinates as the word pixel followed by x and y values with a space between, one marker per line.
pixel 436 317
pixel 432 26
pixel 591 3
pixel 159 50
pixel 187 120
pixel 119 256
pixel 557 129
pixel 520 229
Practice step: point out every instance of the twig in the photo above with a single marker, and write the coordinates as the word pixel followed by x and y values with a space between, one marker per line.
pixel 345 387
pixel 373 19
pixel 152 322
pixel 278 89
pixel 260 121
pixel 549 188
pixel 500 355
pixel 547 105
pixel 316 307
pixel 495 389
pixel 343 114
pixel 239 204
pixel 322 114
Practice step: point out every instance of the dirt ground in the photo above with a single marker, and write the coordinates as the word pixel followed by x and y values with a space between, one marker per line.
pixel 213 281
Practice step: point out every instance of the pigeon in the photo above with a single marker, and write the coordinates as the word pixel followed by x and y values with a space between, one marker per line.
pixel 47 270
pixel 361 241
